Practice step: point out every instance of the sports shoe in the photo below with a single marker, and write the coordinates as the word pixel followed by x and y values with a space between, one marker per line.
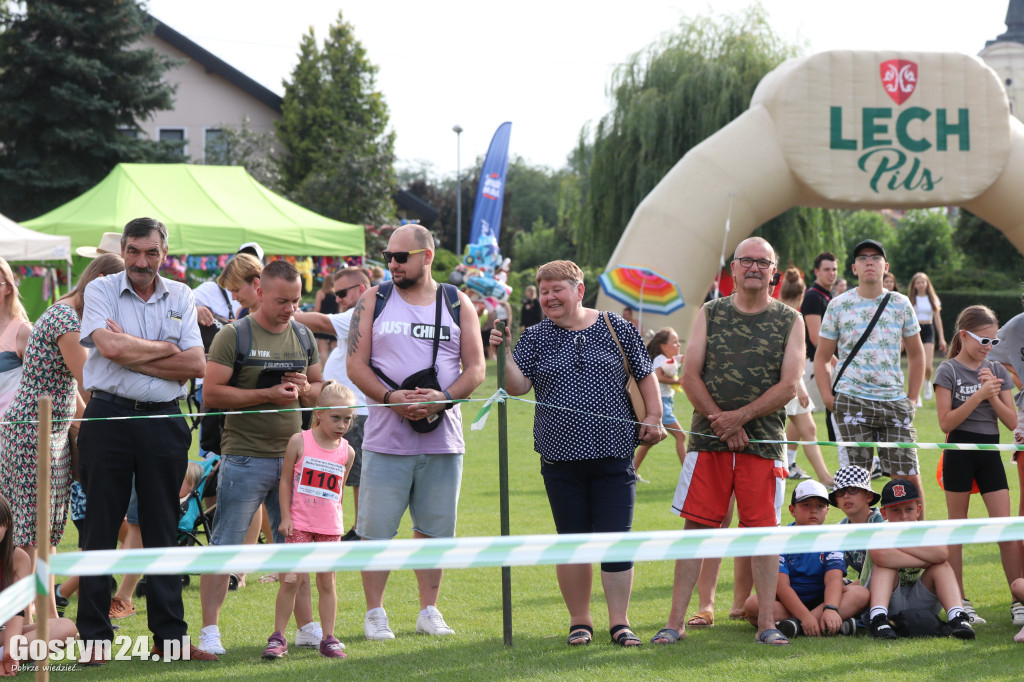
pixel 350 535
pixel 790 627
pixel 209 640
pixel 62 602
pixel 119 608
pixel 881 629
pixel 375 625
pixel 430 622
pixel 1017 612
pixel 919 403
pixel 960 627
pixel 332 648
pixel 309 635
pixel 641 479
pixel 276 646
pixel 798 474
pixel 876 472
pixel 927 392
pixel 849 627
pixel 972 615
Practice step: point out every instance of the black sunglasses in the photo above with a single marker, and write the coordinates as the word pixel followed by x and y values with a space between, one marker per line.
pixel 340 293
pixel 400 256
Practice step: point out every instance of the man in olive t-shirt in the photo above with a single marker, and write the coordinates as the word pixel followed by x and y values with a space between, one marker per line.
pixel 274 376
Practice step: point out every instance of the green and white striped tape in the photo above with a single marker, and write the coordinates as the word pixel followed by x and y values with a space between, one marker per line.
pixel 522 550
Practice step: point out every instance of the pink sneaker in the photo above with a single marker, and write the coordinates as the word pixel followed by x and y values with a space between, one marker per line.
pixel 332 648
pixel 277 646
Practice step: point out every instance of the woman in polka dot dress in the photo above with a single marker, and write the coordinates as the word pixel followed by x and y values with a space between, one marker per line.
pixel 53 366
pixel 584 431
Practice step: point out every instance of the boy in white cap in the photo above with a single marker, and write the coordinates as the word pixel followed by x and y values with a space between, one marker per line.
pixel 912 577
pixel 810 598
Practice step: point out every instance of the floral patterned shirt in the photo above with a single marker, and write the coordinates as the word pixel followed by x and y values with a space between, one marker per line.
pixel 874 373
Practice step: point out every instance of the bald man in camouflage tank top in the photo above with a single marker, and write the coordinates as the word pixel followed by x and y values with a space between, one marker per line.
pixel 743 363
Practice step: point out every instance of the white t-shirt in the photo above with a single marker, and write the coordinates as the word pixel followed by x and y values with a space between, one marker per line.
pixel 210 294
pixel 670 367
pixel 923 308
pixel 335 366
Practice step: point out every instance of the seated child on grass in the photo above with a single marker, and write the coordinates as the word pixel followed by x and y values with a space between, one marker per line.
pixel 852 494
pixel 912 577
pixel 811 598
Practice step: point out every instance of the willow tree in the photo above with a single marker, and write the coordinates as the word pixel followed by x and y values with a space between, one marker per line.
pixel 667 99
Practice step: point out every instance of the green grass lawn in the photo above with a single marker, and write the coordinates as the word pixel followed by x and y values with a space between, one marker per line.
pixel 471 601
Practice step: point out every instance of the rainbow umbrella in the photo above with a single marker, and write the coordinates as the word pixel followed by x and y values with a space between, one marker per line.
pixel 642 288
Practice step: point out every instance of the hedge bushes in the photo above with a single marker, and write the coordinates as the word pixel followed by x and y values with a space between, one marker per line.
pixel 1006 305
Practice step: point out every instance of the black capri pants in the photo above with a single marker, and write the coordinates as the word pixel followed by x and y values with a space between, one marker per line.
pixel 592 496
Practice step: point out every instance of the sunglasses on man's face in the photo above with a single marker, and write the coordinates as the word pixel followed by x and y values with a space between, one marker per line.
pixel 400 256
pixel 340 293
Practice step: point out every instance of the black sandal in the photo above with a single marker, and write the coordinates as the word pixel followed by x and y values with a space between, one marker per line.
pixel 580 635
pixel 623 636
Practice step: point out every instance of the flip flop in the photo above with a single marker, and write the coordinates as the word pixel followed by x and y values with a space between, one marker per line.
pixel 701 619
pixel 623 636
pixel 672 636
pixel 772 637
pixel 580 635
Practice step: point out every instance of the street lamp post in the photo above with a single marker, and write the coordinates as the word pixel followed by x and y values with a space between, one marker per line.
pixel 458 189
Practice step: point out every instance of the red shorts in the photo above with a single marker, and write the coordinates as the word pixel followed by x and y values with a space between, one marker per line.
pixel 708 480
pixel 306 536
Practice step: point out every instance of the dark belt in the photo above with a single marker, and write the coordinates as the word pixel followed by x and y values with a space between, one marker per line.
pixel 137 405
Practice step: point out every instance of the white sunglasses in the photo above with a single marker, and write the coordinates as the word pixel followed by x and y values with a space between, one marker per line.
pixel 983 340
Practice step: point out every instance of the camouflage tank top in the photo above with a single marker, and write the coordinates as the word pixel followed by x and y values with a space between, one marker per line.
pixel 743 360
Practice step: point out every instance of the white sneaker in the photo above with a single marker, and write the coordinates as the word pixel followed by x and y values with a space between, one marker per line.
pixel 919 403
pixel 309 635
pixel 1017 611
pixel 209 640
pixel 928 392
pixel 430 622
pixel 375 625
pixel 641 479
pixel 972 615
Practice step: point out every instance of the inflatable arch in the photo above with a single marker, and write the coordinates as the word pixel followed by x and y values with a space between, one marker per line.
pixel 840 129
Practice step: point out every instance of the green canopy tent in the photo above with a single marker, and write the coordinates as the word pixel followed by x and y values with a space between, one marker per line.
pixel 207 210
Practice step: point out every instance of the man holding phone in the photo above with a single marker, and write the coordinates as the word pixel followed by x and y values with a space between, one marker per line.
pixel 281 369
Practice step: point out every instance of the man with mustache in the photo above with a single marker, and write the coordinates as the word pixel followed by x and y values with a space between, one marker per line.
pixel 144 344
pixel 743 364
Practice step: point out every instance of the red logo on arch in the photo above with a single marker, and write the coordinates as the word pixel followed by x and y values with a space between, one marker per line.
pixel 899 78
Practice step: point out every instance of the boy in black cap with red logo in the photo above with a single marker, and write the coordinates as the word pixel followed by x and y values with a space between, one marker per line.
pixel 912 577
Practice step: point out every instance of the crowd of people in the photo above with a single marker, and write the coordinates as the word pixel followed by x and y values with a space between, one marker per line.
pixel 128 342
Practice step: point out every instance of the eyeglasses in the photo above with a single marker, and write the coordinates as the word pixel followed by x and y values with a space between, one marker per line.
pixel 762 263
pixel 983 340
pixel 341 293
pixel 874 258
pixel 400 256
pixel 843 492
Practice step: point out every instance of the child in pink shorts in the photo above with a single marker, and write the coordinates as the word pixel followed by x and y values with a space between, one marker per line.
pixel 312 481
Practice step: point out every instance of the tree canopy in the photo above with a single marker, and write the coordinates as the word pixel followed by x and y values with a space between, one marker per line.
pixel 71 91
pixel 340 157
pixel 667 99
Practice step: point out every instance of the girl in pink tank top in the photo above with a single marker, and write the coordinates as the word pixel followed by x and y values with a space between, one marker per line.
pixel 312 481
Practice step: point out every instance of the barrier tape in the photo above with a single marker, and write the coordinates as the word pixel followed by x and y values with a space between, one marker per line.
pixel 521 550
pixel 480 420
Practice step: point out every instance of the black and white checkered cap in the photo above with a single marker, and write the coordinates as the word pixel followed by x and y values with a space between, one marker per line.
pixel 852 477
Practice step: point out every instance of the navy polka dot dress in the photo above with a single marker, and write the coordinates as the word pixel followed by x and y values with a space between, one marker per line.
pixel 582 370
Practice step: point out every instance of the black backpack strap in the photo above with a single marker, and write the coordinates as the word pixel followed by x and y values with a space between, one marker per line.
pixel 452 301
pixel 861 340
pixel 302 332
pixel 243 344
pixel 227 300
pixel 384 290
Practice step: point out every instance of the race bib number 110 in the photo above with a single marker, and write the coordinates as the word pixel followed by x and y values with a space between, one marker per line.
pixel 321 478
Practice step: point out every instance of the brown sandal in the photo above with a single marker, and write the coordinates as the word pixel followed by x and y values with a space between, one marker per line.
pixel 701 619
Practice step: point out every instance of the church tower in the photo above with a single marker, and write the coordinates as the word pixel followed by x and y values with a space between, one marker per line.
pixel 1005 55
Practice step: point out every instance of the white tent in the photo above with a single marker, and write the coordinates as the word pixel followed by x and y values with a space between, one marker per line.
pixel 19 243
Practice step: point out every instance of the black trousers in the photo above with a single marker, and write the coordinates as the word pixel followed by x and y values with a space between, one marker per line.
pixel 155 451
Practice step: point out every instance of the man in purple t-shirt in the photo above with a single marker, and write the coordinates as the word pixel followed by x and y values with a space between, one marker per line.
pixel 404 468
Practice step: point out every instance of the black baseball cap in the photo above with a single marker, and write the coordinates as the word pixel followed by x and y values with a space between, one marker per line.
pixel 868 244
pixel 898 491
